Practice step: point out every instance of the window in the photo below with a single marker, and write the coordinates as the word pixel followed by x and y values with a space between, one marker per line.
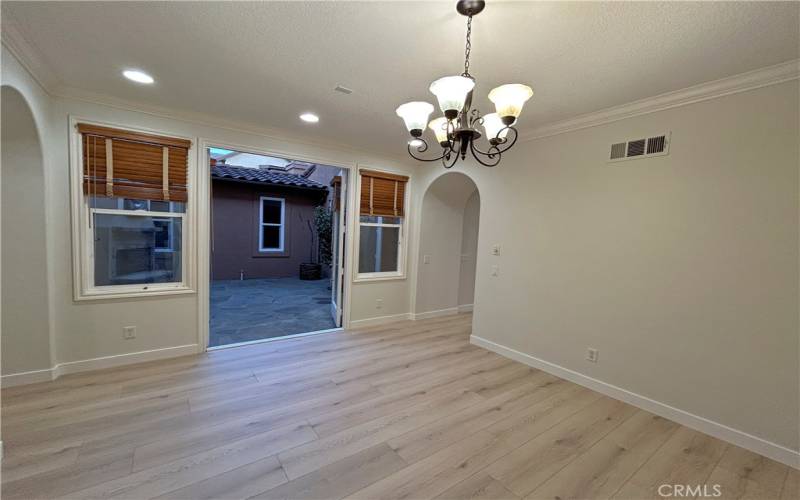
pixel 381 225
pixel 379 244
pixel 133 201
pixel 271 224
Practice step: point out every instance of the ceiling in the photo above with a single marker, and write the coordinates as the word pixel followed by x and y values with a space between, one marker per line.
pixel 263 63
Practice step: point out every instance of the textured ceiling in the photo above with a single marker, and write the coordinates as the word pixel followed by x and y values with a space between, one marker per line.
pixel 264 63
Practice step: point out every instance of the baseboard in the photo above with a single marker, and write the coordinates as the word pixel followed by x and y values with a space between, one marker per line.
pixel 123 359
pixel 85 365
pixel 465 308
pixel 25 378
pixel 435 314
pixel 379 320
pixel 753 443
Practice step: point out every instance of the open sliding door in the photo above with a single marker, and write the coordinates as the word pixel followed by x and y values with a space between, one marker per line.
pixel 339 216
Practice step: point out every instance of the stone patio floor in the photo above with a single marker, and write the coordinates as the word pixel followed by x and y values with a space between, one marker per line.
pixel 265 308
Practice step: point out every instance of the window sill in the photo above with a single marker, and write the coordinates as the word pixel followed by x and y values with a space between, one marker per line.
pixel 366 278
pixel 91 295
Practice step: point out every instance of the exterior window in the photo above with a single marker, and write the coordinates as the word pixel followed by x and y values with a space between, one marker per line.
pixel 271 228
pixel 136 246
pixel 379 244
pixel 381 225
pixel 131 213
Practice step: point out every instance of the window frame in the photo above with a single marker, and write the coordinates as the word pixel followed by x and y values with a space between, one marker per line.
pixel 281 225
pixel 400 274
pixel 82 233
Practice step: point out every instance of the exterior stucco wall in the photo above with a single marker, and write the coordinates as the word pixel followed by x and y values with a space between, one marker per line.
pixel 235 208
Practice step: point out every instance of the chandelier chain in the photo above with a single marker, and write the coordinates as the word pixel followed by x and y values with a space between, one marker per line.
pixel 468 47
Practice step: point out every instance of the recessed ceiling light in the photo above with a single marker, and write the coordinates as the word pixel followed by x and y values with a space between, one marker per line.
pixel 309 117
pixel 137 76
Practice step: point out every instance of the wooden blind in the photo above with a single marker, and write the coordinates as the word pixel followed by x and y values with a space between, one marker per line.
pixel 382 194
pixel 336 184
pixel 125 164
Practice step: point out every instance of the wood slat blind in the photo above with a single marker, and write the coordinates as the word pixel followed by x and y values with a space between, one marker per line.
pixel 121 163
pixel 382 194
pixel 336 184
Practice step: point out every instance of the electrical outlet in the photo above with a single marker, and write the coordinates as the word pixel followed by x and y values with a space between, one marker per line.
pixel 495 270
pixel 426 259
pixel 592 354
pixel 128 332
pixel 378 303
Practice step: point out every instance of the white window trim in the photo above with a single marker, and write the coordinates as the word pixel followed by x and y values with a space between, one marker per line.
pixel 261 224
pixel 82 235
pixel 400 274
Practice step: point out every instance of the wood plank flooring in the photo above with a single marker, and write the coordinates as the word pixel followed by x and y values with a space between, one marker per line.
pixel 409 410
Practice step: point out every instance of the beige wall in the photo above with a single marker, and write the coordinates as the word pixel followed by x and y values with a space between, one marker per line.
pixel 469 250
pixel 682 270
pixel 25 334
pixel 441 232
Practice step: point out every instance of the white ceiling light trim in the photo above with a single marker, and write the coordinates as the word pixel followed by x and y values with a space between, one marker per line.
pixel 138 76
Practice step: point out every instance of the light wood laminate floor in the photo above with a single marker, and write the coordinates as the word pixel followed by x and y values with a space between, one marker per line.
pixel 408 410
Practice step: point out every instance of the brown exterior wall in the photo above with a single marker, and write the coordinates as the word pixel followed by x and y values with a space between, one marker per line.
pixel 235 214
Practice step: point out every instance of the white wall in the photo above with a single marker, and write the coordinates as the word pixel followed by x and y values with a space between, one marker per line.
pixel 469 250
pixel 25 329
pixel 682 270
pixel 441 232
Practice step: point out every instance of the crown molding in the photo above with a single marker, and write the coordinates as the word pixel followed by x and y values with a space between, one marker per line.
pixel 26 53
pixel 763 77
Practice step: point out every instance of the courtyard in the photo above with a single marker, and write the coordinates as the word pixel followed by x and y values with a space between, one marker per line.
pixel 256 309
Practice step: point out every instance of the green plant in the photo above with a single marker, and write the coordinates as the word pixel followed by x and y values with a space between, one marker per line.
pixel 322 222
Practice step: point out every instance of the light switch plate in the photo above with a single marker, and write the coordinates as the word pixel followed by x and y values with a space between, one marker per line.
pixel 495 249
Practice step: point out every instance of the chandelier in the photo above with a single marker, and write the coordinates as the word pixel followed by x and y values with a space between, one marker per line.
pixel 457 131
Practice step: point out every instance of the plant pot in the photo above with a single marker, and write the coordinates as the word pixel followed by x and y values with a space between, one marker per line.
pixel 309 271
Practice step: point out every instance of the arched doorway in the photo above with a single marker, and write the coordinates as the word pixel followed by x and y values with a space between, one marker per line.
pixel 25 335
pixel 448 246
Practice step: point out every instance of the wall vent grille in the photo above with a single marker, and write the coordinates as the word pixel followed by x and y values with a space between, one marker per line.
pixel 657 145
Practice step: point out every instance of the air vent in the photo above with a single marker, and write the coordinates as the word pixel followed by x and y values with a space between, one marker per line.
pixel 618 151
pixel 636 148
pixel 657 145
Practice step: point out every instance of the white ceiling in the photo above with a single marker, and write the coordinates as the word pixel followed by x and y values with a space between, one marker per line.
pixel 264 63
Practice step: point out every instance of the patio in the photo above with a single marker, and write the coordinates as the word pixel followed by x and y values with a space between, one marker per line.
pixel 257 309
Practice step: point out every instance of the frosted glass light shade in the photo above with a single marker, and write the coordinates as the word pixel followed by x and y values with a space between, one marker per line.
pixel 509 99
pixel 439 127
pixel 493 124
pixel 415 115
pixel 451 92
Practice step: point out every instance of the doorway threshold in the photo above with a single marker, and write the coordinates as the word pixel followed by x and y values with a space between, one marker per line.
pixel 272 339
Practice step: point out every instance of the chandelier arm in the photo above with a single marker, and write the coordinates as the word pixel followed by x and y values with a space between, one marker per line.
pixel 451 137
pixel 421 149
pixel 508 145
pixel 490 155
pixel 447 158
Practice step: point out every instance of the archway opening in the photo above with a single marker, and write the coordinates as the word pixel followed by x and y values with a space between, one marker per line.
pixel 25 336
pixel 448 246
